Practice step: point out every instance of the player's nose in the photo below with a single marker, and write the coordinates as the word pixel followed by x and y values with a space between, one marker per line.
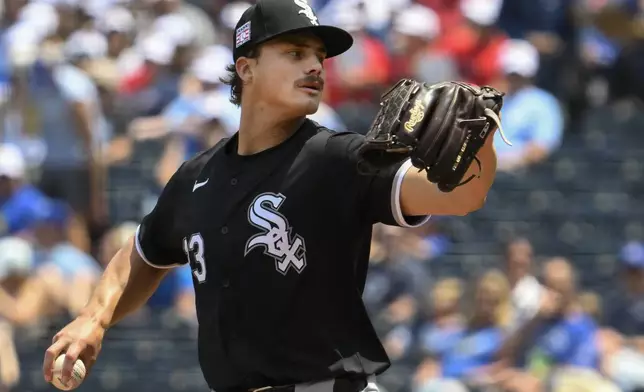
pixel 314 67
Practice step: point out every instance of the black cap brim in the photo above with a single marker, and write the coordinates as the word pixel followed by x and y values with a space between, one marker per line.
pixel 336 40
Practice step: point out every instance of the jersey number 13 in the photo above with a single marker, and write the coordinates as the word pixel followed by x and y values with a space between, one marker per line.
pixel 194 250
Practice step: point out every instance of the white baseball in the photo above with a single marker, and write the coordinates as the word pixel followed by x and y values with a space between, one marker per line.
pixel 78 374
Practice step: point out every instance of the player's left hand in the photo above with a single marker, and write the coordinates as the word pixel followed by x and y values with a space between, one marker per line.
pixel 441 127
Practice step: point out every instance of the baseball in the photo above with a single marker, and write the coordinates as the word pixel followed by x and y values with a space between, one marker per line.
pixel 78 374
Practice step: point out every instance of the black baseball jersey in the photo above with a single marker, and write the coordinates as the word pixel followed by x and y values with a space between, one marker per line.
pixel 279 245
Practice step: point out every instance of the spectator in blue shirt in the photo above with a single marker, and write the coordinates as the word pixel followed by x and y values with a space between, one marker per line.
pixel 439 335
pixel 480 341
pixel 77 272
pixel 197 118
pixel 532 118
pixel 622 342
pixel 567 339
pixel 20 203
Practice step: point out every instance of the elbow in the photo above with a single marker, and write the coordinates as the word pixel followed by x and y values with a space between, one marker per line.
pixel 470 205
pixel 478 203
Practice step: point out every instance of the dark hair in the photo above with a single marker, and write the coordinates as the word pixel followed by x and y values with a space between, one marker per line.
pixel 234 81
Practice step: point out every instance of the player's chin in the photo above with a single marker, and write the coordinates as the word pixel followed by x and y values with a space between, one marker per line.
pixel 309 104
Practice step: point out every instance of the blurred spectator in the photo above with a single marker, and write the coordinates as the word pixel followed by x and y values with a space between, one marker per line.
pixel 590 303
pixel 532 118
pixel 375 14
pixel 354 80
pixel 627 314
pixel 444 327
pixel 41 281
pixel 155 71
pixel 73 168
pixel 623 343
pixel 448 11
pixel 386 283
pixel 200 25
pixel 430 240
pixel 190 107
pixel 567 338
pixel 76 271
pixel 475 44
pixel 478 343
pixel 24 295
pixel 16 263
pixel 197 118
pixel 414 33
pixel 526 290
pixel 117 24
pixel 546 24
pixel 20 203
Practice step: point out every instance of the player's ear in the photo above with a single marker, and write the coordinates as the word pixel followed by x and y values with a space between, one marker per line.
pixel 244 69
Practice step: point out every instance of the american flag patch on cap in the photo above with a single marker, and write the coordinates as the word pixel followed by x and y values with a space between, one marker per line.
pixel 242 35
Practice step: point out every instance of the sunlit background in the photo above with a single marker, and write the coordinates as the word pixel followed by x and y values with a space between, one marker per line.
pixel 101 100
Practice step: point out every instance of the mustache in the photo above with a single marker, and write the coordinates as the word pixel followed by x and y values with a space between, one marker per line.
pixel 310 79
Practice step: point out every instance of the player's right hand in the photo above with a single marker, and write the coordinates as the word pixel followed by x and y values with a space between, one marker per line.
pixel 81 339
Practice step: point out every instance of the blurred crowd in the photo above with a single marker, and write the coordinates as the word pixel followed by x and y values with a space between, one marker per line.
pixel 456 334
pixel 86 85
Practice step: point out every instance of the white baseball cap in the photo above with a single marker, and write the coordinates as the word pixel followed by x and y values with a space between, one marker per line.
pixel 117 19
pixel 85 43
pixel 176 27
pixel 232 12
pixel 12 161
pixel 519 57
pixel 157 48
pixel 211 64
pixel 22 42
pixel 42 17
pixel 350 19
pixel 16 257
pixel 482 12
pixel 418 21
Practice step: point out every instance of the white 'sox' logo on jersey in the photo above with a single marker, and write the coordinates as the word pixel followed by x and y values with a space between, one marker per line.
pixel 287 250
pixel 307 11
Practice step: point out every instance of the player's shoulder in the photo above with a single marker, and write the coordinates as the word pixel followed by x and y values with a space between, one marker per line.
pixel 326 141
pixel 190 169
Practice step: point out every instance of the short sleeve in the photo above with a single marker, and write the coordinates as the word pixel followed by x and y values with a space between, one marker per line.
pixel 156 240
pixel 378 191
pixel 73 85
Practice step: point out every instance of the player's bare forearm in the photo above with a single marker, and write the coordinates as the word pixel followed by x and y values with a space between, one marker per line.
pixel 421 197
pixel 127 283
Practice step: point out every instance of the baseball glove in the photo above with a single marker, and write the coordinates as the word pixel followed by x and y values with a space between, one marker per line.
pixel 440 127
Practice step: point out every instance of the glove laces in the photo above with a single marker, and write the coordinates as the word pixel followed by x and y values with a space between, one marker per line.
pixel 497 121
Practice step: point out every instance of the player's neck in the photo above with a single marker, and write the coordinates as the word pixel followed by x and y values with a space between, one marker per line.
pixel 261 128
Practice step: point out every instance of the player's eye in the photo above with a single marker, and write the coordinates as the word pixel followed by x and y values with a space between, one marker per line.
pixel 295 54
